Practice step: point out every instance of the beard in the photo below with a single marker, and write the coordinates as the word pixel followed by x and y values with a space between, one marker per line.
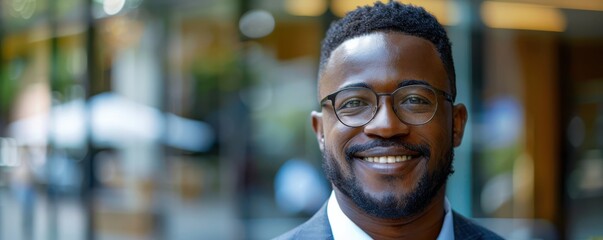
pixel 392 205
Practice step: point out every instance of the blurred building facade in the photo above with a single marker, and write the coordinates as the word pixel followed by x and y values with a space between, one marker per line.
pixel 139 119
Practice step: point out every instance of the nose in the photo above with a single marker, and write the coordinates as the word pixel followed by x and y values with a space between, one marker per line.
pixel 386 123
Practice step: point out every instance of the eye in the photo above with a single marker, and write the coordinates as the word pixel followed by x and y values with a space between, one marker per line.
pixel 416 104
pixel 416 100
pixel 353 103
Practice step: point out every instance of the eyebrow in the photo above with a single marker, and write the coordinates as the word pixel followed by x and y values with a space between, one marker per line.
pixel 402 84
pixel 413 82
pixel 353 85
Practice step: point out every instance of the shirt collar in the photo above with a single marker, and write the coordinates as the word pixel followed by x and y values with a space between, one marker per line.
pixel 343 228
pixel 447 231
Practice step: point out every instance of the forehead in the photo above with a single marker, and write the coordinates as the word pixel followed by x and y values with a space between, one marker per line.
pixel 382 60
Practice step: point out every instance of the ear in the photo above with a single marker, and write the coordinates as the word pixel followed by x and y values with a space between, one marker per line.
pixel 317 127
pixel 459 118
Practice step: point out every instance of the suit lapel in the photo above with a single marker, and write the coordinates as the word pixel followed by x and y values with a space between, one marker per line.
pixel 463 228
pixel 318 227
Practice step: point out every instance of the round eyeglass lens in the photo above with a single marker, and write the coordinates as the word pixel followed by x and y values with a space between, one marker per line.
pixel 355 106
pixel 415 104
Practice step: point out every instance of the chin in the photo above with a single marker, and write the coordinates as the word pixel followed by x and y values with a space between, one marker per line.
pixel 389 204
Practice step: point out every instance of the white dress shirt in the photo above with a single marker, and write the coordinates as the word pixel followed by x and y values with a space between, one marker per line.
pixel 343 228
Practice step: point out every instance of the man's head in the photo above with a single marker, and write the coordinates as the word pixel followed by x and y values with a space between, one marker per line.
pixel 388 125
pixel 396 17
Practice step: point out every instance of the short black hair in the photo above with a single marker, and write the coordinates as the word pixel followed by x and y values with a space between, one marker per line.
pixel 390 17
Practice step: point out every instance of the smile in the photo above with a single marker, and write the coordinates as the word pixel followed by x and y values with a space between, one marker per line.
pixel 387 159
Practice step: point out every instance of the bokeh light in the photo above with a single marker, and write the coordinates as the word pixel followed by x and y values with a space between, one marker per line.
pixel 112 7
pixel 256 23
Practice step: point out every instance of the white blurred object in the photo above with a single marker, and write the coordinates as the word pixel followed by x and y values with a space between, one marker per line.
pixel 298 187
pixel 503 119
pixel 68 125
pixel 256 23
pixel 112 7
pixel 496 192
pixel 114 120
pixel 118 120
pixel 586 180
pixel 188 134
pixel 9 154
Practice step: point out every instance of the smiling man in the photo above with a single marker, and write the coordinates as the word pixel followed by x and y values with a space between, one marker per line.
pixel 387 129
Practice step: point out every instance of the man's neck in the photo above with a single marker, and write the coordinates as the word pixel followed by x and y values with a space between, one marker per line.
pixel 425 225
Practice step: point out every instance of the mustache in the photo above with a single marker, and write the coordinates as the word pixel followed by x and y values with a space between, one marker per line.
pixel 422 149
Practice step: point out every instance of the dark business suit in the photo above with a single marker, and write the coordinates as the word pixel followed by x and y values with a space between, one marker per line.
pixel 318 227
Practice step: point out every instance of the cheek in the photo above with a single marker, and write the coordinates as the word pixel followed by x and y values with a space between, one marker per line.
pixel 442 128
pixel 438 135
pixel 336 139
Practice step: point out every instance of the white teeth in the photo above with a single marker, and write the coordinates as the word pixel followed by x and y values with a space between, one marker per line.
pixel 388 159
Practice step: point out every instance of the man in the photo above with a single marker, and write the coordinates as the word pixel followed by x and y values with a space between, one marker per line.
pixel 387 130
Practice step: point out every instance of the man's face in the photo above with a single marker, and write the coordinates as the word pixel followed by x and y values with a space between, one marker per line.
pixel 384 61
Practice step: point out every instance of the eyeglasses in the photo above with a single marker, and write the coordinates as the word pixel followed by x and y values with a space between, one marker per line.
pixel 357 106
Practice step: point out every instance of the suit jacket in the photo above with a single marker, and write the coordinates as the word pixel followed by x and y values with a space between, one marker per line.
pixel 318 227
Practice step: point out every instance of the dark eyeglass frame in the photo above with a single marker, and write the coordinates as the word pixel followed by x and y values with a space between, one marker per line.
pixel 331 97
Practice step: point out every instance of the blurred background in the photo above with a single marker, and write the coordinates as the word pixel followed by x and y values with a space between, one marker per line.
pixel 189 119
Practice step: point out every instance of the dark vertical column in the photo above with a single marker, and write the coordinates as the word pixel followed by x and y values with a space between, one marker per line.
pixel 91 77
pixel 564 166
pixel 230 149
pixel 327 18
pixel 234 135
pixel 3 116
pixel 3 74
pixel 51 192
pixel 3 111
pixel 477 78
pixel 477 56
pixel 161 12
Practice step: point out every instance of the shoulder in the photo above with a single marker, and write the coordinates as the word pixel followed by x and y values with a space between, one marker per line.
pixel 317 227
pixel 467 229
